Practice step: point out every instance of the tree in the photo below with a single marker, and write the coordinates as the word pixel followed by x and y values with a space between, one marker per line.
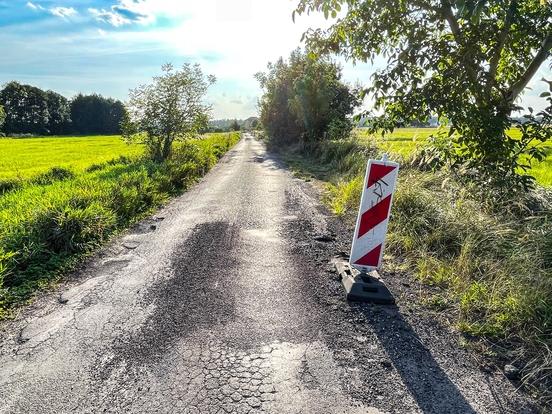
pixel 466 61
pixel 94 114
pixel 2 116
pixel 115 116
pixel 168 109
pixel 305 100
pixel 235 126
pixel 30 110
pixel 26 109
pixel 59 113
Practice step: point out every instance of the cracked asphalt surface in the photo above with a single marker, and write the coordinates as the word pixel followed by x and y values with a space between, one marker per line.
pixel 225 301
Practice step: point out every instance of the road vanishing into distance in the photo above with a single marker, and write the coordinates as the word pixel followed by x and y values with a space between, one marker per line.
pixel 225 301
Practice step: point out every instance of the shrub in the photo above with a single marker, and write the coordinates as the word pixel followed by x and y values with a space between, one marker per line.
pixel 169 109
pixel 8 185
pixel 133 194
pixel 72 230
pixel 124 160
pixel 53 175
pixel 305 101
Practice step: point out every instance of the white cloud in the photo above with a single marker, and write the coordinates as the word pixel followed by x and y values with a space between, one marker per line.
pixel 63 12
pixel 230 39
pixel 125 12
pixel 244 35
pixel 33 6
pixel 109 17
pixel 233 40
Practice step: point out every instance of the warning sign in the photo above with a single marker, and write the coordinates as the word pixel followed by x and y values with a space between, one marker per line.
pixel 373 216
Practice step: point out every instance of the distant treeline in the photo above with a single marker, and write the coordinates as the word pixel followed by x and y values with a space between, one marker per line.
pixel 31 110
pixel 226 125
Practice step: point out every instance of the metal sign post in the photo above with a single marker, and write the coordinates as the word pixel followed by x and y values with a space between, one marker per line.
pixel 360 277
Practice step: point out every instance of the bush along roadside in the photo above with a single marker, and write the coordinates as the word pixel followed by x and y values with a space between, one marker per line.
pixel 47 224
pixel 489 262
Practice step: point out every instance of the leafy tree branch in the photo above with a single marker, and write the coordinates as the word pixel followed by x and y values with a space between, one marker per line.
pixel 466 61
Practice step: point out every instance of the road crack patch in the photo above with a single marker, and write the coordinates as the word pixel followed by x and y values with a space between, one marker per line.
pixel 201 266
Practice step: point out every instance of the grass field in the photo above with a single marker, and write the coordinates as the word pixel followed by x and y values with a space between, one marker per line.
pixel 404 142
pixel 72 194
pixel 28 157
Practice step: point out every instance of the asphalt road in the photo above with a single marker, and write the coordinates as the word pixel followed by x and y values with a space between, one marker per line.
pixel 225 301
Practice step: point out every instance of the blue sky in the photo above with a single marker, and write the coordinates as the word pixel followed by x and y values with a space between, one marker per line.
pixel 110 46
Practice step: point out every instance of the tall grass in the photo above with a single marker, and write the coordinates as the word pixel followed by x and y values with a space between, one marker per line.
pixel 48 222
pixel 490 263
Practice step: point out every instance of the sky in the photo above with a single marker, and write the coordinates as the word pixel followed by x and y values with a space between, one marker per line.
pixel 111 46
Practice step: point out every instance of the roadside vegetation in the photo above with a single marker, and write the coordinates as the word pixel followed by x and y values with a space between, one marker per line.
pixel 405 142
pixel 489 264
pixel 305 101
pixel 168 110
pixel 62 197
pixel 55 217
pixel 466 63
pixel 469 219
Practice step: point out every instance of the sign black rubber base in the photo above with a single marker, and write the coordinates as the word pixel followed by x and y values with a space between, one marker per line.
pixel 363 287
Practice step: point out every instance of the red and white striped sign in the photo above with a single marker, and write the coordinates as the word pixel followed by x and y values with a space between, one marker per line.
pixel 373 215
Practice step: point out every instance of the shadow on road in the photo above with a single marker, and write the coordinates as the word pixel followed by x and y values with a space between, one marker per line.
pixel 430 386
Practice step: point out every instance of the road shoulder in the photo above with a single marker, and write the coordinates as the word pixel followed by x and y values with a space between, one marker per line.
pixel 381 345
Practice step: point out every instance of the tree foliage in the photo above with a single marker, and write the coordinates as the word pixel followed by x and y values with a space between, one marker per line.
pixel 31 110
pixel 305 100
pixel 96 115
pixel 59 113
pixel 2 116
pixel 254 124
pixel 168 109
pixel 466 61
pixel 26 109
pixel 235 126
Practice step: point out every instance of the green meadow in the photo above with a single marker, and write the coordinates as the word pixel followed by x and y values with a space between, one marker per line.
pixel 27 157
pixel 404 141
pixel 63 197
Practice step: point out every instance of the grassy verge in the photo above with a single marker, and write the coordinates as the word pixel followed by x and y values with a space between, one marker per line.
pixel 51 220
pixel 490 265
